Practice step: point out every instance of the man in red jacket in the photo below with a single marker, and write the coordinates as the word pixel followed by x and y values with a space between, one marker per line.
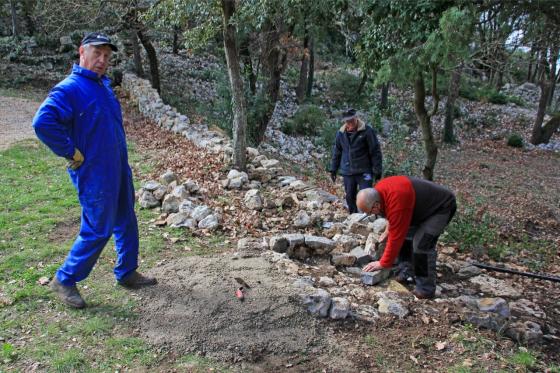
pixel 411 202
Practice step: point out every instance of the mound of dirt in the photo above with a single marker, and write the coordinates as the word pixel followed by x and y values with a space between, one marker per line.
pixel 193 309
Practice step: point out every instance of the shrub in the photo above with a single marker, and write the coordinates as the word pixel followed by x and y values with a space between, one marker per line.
pixel 400 156
pixel 326 139
pixel 490 94
pixel 343 87
pixel 515 140
pixel 307 121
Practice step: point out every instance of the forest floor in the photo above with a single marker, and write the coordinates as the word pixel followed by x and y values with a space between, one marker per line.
pixel 191 322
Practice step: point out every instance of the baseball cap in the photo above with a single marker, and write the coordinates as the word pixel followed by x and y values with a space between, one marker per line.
pixel 348 114
pixel 96 38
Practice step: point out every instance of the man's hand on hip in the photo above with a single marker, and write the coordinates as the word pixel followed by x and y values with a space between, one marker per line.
pixel 76 161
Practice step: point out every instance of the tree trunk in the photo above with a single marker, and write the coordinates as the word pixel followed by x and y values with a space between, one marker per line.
pixel 303 71
pixel 363 82
pixel 453 93
pixel 537 135
pixel 175 40
pixel 424 119
pixel 236 83
pixel 245 55
pixel 311 74
pixel 14 18
pixel 152 58
pixel 531 54
pixel 384 99
pixel 137 57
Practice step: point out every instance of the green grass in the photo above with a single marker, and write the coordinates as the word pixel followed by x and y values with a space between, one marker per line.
pixel 39 217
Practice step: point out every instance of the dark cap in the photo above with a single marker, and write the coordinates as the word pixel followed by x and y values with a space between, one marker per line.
pixel 95 38
pixel 348 114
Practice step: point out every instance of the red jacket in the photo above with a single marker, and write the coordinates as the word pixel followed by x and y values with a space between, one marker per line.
pixel 398 199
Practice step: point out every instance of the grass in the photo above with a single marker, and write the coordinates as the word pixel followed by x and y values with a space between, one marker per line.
pixel 38 221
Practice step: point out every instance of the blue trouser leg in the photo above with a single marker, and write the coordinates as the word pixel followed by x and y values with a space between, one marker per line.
pixel 96 229
pixel 352 184
pixel 126 232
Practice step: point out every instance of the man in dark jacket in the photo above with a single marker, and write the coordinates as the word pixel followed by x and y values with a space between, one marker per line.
pixel 357 155
pixel 416 205
pixel 81 121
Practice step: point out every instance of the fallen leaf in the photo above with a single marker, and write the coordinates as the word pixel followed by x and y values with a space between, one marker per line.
pixel 425 319
pixel 43 281
pixel 441 346
pixel 413 359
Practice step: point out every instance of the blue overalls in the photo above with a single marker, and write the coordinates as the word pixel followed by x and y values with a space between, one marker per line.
pixel 82 112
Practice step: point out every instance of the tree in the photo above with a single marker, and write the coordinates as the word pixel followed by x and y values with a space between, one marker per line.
pixel 13 12
pixel 236 83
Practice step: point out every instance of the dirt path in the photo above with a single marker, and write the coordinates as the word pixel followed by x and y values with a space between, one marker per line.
pixel 16 115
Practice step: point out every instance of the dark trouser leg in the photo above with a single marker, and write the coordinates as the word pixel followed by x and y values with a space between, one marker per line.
pixel 351 190
pixel 425 254
pixel 404 266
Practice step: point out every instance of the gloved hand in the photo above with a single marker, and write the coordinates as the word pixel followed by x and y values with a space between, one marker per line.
pixel 333 176
pixel 76 161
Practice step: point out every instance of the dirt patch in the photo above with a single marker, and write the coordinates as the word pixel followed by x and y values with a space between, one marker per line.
pixel 65 230
pixel 16 116
pixel 194 309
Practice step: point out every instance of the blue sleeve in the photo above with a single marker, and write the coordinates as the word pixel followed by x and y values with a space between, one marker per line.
pixel 336 154
pixel 52 123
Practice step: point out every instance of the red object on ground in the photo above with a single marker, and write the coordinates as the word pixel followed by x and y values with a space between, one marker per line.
pixel 240 294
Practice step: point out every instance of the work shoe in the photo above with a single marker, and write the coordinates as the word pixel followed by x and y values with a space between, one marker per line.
pixel 404 278
pixel 136 280
pixel 67 294
pixel 422 295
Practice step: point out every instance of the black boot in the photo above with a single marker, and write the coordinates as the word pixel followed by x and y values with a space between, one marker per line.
pixel 67 294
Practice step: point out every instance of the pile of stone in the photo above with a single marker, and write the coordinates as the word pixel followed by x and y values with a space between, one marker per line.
pixel 149 103
pixel 180 203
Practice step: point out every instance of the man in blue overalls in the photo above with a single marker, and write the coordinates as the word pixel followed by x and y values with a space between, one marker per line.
pixel 81 121
pixel 357 156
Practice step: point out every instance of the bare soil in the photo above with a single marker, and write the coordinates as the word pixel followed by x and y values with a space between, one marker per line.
pixel 15 120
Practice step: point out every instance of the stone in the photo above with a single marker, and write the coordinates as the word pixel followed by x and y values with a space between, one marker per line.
pixel 326 281
pixel 191 186
pixel 252 153
pixel 255 244
pixel 340 308
pixel 180 192
pixel 524 307
pixel 234 174
pixel 299 252
pixel 151 185
pixel 201 212
pixel 360 228
pixel 468 272
pixel 397 287
pixel 494 286
pixel 375 277
pixel 170 204
pixel 318 303
pixel 235 183
pixel 391 306
pixel 180 219
pixel 343 260
pixel 253 200
pixel 147 200
pixel 270 163
pixel 284 181
pixel 494 305
pixel 320 245
pixel 302 219
pixel 295 239
pixel 371 244
pixel 303 283
pixel 187 206
pixel 486 320
pixel 353 271
pixel 168 177
pixel 320 196
pixel 346 242
pixel 160 192
pixel 210 222
pixel 379 225
pixel 356 217
pixel 365 312
pixel 525 332
pixel 279 244
pixel 298 185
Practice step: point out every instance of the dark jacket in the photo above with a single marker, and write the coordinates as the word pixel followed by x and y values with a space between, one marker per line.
pixel 357 152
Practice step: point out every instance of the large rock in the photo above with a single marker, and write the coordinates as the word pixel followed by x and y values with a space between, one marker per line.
pixel 360 228
pixel 168 177
pixel 253 200
pixel 379 225
pixel 320 196
pixel 356 217
pixel 187 206
pixel 486 320
pixel 343 260
pixel 302 219
pixel 392 305
pixel 524 307
pixel 525 332
pixel 147 200
pixel 340 308
pixel 280 244
pixel 181 192
pixel 495 287
pixel 252 244
pixel 270 163
pixel 318 303
pixel 210 222
pixel 494 305
pixel 320 245
pixel 295 239
pixel 345 242
pixel 171 204
pixel 468 271
pixel 201 212
pixel 375 277
pixel 151 185
pixel 180 219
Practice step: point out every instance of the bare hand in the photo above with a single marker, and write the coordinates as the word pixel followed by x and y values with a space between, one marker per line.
pixel 373 266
